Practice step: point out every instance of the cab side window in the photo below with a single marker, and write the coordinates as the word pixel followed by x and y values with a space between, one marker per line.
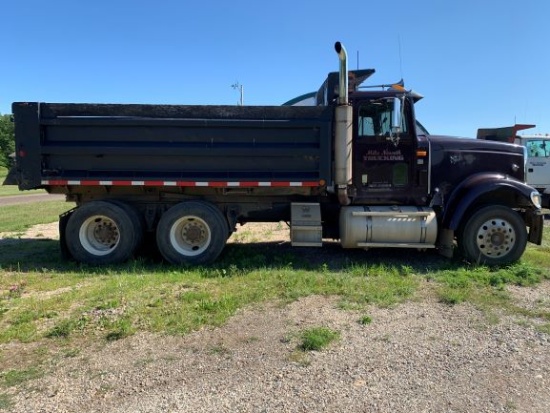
pixel 538 148
pixel 375 118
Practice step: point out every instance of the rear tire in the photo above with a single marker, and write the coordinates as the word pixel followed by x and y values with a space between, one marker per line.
pixel 101 232
pixel 192 233
pixel 493 235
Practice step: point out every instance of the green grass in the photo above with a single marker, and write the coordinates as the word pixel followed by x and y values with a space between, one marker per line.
pixel 115 302
pixel 317 338
pixel 18 218
pixel 152 297
pixel 13 378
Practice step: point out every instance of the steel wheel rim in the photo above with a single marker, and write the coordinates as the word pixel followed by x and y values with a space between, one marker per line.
pixel 99 235
pixel 190 236
pixel 496 238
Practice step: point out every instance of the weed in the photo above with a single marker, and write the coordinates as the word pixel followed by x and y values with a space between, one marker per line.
pixel 544 328
pixel 365 320
pixel 61 330
pixel 72 352
pixel 450 296
pixel 317 338
pixel 219 350
pixel 16 377
pixel 16 290
pixel 119 329
pixel 406 270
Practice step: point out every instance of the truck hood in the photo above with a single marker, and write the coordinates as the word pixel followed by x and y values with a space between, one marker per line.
pixel 454 159
pixel 470 144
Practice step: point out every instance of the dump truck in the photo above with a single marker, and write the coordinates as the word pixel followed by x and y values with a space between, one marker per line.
pixel 537 147
pixel 351 168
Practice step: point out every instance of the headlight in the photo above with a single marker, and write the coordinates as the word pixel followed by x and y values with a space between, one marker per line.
pixel 536 199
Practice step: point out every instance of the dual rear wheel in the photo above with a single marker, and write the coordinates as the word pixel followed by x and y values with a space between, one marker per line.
pixel 109 232
pixel 192 232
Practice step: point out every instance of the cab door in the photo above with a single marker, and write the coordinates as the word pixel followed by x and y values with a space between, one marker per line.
pixel 384 164
pixel 538 163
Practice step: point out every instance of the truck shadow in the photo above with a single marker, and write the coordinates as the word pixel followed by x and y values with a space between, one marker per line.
pixel 329 257
pixel 44 255
pixel 30 253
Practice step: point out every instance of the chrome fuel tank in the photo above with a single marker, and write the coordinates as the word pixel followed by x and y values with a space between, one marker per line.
pixel 387 226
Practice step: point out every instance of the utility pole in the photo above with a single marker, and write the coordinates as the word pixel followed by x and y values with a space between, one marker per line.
pixel 238 86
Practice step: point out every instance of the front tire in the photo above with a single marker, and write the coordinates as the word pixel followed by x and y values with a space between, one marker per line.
pixel 192 232
pixel 493 235
pixel 101 232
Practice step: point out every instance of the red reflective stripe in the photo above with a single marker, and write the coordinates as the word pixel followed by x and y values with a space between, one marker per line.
pixel 214 184
pixel 54 182
pixel 121 183
pixel 278 184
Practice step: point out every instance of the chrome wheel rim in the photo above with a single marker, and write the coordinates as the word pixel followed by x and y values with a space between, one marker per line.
pixel 496 238
pixel 99 235
pixel 190 236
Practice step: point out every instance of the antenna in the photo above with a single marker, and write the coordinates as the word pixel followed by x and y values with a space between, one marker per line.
pixel 400 57
pixel 357 59
pixel 238 86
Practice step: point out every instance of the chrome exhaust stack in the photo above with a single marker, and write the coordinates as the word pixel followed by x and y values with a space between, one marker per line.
pixel 343 131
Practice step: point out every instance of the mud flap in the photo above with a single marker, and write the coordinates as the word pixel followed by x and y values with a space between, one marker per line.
pixel 535 221
pixel 63 219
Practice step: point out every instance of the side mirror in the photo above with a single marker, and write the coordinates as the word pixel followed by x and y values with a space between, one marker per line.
pixel 397 118
pixel 397 115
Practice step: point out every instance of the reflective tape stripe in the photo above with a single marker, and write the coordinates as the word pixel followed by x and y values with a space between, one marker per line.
pixel 215 184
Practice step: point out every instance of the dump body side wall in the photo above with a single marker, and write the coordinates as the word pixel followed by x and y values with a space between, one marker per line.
pixel 176 143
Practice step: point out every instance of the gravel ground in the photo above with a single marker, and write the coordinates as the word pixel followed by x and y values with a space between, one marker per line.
pixel 416 357
pixel 420 356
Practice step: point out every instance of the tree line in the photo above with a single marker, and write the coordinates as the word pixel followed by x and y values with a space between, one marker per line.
pixel 7 140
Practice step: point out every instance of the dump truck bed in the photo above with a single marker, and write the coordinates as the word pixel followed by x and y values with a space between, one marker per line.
pixel 73 143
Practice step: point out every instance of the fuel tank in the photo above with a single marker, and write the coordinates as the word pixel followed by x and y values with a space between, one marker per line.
pixel 387 226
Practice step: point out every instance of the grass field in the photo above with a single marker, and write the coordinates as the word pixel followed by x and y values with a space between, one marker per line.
pixel 61 305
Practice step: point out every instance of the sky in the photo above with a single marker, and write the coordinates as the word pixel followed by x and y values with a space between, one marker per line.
pixel 482 63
